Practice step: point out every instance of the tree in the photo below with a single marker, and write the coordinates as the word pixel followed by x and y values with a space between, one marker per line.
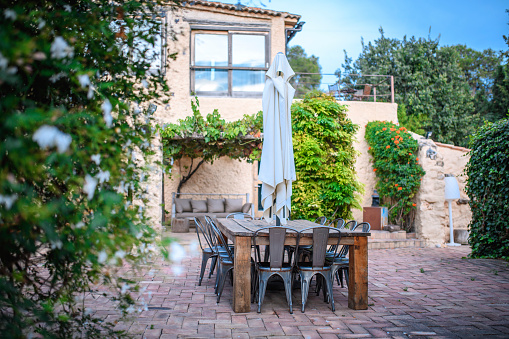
pixel 479 70
pixel 75 141
pixel 427 79
pixel 301 63
pixel 499 106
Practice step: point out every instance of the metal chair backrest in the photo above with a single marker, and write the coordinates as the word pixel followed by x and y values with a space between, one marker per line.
pixel 321 236
pixel 366 227
pixel 239 215
pixel 338 223
pixel 221 241
pixel 350 225
pixel 277 237
pixel 321 220
pixel 202 233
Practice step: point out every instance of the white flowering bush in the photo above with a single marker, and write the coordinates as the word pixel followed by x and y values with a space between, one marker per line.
pixel 74 135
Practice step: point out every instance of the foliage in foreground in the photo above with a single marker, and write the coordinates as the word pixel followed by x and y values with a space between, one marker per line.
pixel 488 190
pixel 74 137
pixel 397 169
pixel 210 138
pixel 323 139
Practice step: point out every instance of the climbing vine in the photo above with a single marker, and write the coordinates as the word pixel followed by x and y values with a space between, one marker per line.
pixel 397 168
pixel 207 139
pixel 324 159
pixel 488 190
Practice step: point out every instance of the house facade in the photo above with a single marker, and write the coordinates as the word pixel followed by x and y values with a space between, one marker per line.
pixel 220 54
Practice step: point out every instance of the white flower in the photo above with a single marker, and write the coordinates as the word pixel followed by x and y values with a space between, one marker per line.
pixel 67 8
pixel 144 83
pixel 60 49
pixel 103 176
pixel 55 77
pixel 120 254
pixel 50 136
pixel 177 252
pixel 90 93
pixel 96 158
pixel 107 107
pixel 56 244
pixel 10 14
pixel 102 257
pixel 80 225
pixel 89 186
pixel 39 56
pixel 3 61
pixel 121 188
pixel 84 80
pixel 41 24
pixel 8 200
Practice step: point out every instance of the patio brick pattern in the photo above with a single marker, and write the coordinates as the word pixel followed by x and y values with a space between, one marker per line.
pixel 413 292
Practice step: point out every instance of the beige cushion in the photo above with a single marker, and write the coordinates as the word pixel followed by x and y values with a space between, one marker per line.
pixel 199 206
pixel 246 207
pixel 183 205
pixel 232 205
pixel 215 205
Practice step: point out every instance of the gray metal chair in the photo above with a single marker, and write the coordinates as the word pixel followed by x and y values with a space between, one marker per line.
pixel 274 264
pixel 206 247
pixel 341 263
pixel 225 260
pixel 209 246
pixel 318 265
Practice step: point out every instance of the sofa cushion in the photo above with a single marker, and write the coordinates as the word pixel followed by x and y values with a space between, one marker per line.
pixel 232 205
pixel 183 205
pixel 246 207
pixel 215 205
pixel 199 206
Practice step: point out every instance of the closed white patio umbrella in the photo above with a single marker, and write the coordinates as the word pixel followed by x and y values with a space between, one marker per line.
pixel 277 167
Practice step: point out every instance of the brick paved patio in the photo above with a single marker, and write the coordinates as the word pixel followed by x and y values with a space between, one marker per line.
pixel 418 292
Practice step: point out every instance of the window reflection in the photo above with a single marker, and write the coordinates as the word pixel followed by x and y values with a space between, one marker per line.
pixel 248 50
pixel 211 80
pixel 211 50
pixel 248 81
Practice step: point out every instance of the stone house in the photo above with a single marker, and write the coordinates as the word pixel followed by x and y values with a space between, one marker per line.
pixel 222 54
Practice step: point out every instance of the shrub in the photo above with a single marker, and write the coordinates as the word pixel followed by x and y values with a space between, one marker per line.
pixel 74 138
pixel 324 159
pixel 397 168
pixel 488 190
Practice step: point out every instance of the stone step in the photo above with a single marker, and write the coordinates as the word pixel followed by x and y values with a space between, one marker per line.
pixel 388 235
pixel 395 243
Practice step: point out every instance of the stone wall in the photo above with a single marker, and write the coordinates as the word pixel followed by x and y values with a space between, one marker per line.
pixel 432 218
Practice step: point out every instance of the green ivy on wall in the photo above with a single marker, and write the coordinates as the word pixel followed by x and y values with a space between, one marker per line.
pixel 324 159
pixel 210 138
pixel 488 190
pixel 397 169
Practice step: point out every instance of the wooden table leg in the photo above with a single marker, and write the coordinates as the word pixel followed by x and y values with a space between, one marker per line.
pixel 242 275
pixel 358 270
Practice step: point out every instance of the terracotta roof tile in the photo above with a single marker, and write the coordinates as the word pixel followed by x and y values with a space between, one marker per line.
pixel 254 10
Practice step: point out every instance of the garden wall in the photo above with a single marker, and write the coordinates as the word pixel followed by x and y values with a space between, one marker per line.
pixel 432 217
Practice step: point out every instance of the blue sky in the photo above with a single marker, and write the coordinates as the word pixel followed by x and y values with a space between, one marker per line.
pixel 336 25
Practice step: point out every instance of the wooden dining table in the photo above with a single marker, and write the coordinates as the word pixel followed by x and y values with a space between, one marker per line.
pixel 240 232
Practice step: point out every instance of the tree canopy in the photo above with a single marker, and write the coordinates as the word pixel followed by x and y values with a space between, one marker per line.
pixel 446 90
pixel 301 63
